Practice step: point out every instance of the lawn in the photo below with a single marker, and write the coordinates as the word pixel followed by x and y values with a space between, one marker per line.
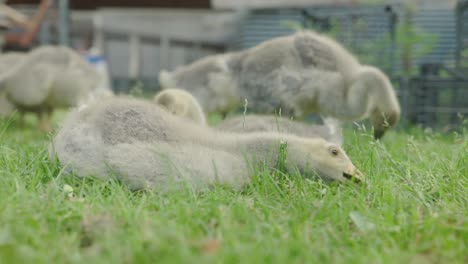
pixel 413 209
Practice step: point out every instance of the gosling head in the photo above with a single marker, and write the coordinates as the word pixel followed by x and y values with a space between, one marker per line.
pixel 181 103
pixel 325 159
pixel 383 108
pixel 382 121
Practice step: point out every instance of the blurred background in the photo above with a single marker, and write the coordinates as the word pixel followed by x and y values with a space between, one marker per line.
pixel 422 45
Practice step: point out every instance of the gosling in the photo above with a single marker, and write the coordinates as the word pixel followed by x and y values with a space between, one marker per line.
pixel 181 103
pixel 331 130
pixel 48 78
pixel 300 74
pixel 144 146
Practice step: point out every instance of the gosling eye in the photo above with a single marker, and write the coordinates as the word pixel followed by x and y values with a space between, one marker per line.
pixel 334 152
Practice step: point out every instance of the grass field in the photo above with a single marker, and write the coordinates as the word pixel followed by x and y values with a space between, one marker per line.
pixel 413 209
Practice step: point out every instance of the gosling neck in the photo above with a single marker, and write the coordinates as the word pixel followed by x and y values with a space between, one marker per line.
pixel 263 148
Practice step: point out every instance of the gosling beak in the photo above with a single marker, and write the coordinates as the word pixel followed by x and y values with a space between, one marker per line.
pixel 378 134
pixel 353 174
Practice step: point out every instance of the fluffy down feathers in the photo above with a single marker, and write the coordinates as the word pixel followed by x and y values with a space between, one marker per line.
pixel 206 79
pixel 330 131
pixel 46 73
pixel 146 147
pixel 181 103
pixel 300 74
pixel 47 78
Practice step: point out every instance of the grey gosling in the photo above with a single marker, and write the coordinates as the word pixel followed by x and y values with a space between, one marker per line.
pixel 181 103
pixel 300 74
pixel 144 146
pixel 331 129
pixel 47 78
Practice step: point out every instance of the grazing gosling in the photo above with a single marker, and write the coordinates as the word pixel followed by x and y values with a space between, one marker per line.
pixel 300 74
pixel 330 131
pixel 144 146
pixel 48 78
pixel 181 103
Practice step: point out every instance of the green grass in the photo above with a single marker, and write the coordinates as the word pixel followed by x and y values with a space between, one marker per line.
pixel 413 209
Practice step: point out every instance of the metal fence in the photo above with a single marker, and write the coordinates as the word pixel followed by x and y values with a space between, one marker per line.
pixel 370 31
pixel 434 101
pixel 462 34
pixel 438 96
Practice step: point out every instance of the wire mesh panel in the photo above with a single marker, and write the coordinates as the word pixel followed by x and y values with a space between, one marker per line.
pixel 441 24
pixel 437 102
pixel 368 31
pixel 462 34
pixel 377 34
pixel 357 27
pixel 264 24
